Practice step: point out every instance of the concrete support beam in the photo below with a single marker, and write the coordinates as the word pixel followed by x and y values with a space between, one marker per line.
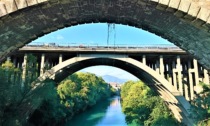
pixel 161 66
pixel 24 71
pixel 174 70
pixel 206 77
pixel 195 64
pixel 190 80
pixel 144 59
pixel 157 68
pixel 60 58
pixel 179 70
pixel 169 74
pixel 8 58
pixel 14 61
pixel 186 92
pixel 42 64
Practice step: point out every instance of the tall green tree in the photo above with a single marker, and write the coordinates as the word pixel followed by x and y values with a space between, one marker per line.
pixel 142 107
pixel 76 93
pixel 201 106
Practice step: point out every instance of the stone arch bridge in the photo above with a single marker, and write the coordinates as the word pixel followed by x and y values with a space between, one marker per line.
pixel 170 71
pixel 183 22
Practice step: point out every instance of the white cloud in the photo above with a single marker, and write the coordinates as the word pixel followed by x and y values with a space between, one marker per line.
pixel 59 37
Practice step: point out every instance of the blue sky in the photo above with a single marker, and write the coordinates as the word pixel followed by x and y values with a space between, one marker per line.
pixel 96 34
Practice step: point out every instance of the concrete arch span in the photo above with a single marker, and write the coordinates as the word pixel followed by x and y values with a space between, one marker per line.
pixel 152 78
pixel 183 22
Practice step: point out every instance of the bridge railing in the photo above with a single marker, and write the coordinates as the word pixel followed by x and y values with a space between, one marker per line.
pixel 101 47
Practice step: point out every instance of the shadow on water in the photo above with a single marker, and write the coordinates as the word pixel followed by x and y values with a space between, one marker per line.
pixel 105 112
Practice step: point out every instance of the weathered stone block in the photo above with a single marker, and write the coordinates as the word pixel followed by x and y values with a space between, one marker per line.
pixel 174 4
pixel 40 1
pixel 163 4
pixel 10 5
pixel 3 10
pixel 184 6
pixel 194 9
pixel 204 14
pixel 31 2
pixel 21 4
pixel 193 12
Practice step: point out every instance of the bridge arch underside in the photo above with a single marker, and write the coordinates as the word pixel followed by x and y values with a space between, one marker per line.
pixel 181 22
pixel 139 73
pixel 172 102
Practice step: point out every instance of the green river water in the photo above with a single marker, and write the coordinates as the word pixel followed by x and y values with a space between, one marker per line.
pixel 105 113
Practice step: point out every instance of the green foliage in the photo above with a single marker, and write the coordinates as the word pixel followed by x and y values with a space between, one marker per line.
pixel 12 90
pixel 143 107
pixel 10 93
pixel 76 93
pixel 201 106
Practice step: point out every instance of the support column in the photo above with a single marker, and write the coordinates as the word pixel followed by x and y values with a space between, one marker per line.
pixel 206 77
pixel 161 66
pixel 190 81
pixel 15 61
pixel 170 74
pixel 174 74
pixel 179 69
pixel 157 69
pixel 42 64
pixel 8 58
pixel 24 71
pixel 186 93
pixel 195 64
pixel 60 58
pixel 144 59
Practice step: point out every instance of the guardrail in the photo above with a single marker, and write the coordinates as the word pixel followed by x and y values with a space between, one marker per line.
pixel 97 46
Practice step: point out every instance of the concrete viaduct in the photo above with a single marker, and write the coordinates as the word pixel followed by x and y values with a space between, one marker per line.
pixel 170 71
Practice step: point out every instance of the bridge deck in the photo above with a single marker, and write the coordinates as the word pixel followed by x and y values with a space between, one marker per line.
pixel 116 49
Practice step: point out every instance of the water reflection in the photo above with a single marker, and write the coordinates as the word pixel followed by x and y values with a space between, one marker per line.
pixel 105 113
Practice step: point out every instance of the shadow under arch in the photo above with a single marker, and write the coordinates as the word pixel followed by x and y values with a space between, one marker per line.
pixel 140 70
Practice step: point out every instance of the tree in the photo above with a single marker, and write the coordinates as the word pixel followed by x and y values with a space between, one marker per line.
pixel 201 106
pixel 141 106
pixel 74 94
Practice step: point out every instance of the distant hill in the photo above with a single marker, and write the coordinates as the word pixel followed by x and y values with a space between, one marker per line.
pixel 109 78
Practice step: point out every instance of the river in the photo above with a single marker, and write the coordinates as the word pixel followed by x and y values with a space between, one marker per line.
pixel 105 113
